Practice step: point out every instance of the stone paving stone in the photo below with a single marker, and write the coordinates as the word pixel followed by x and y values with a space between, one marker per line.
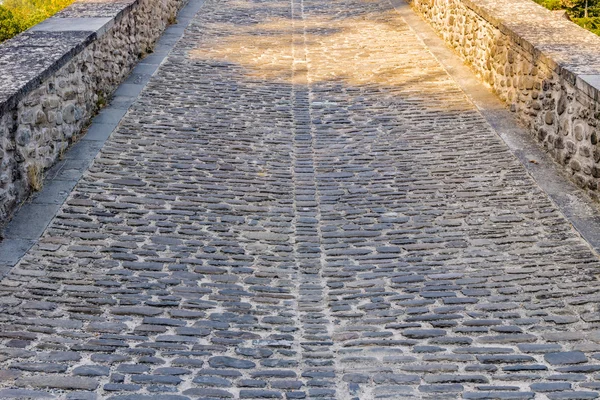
pixel 301 204
pixel 567 357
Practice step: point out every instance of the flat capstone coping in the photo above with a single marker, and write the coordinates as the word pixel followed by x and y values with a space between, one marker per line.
pixel 99 25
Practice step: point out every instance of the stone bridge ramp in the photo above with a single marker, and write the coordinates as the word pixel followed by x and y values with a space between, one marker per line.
pixel 303 204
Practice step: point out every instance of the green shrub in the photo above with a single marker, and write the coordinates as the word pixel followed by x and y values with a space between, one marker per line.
pixel 590 23
pixel 582 8
pixel 8 25
pixel 550 4
pixel 577 10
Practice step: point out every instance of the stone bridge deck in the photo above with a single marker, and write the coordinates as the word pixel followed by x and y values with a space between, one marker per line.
pixel 303 203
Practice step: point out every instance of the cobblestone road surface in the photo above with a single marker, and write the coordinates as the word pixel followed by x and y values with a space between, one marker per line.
pixel 303 204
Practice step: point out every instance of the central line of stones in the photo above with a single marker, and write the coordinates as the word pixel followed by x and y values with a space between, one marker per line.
pixel 317 362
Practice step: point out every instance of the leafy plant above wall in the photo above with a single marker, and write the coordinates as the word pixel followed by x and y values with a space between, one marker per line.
pixel 585 13
pixel 590 23
pixel 8 25
pixel 18 15
pixel 550 4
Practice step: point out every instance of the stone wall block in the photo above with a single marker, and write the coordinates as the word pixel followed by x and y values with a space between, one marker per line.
pixel 46 118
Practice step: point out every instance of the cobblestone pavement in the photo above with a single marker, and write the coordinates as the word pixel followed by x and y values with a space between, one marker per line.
pixel 303 204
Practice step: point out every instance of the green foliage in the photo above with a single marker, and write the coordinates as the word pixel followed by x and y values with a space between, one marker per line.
pixel 577 11
pixel 550 4
pixel 575 8
pixel 590 23
pixel 582 8
pixel 18 15
pixel 8 26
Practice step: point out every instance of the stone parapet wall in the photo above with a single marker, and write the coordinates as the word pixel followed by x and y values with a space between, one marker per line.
pixel 545 68
pixel 55 76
